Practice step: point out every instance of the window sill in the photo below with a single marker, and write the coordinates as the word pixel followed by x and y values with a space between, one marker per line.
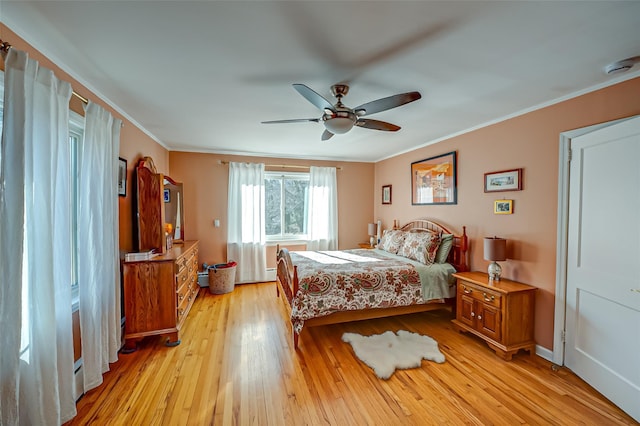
pixel 286 242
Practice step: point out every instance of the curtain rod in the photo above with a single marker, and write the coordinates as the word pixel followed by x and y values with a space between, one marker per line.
pixel 283 166
pixel 4 49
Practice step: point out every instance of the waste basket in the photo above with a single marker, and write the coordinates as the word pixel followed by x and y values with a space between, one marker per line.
pixel 222 277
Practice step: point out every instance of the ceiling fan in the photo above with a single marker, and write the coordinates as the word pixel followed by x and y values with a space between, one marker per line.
pixel 338 118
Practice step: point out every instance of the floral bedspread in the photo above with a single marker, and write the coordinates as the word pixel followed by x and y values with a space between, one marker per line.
pixel 332 281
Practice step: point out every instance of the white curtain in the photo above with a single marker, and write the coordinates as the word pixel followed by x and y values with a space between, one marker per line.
pixel 246 235
pixel 36 343
pixel 322 222
pixel 98 255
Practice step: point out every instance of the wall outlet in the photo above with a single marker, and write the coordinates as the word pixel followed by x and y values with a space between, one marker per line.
pixel 216 223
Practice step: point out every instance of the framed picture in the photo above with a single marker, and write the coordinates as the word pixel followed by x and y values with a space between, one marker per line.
pixel 122 177
pixel 386 194
pixel 167 195
pixel 433 180
pixel 505 180
pixel 503 207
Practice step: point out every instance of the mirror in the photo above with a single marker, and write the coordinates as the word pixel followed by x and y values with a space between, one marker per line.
pixel 173 210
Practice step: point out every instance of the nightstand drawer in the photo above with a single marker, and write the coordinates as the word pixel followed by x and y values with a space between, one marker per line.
pixel 482 294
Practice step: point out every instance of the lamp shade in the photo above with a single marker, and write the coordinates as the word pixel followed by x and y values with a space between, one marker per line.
pixel 372 229
pixel 495 248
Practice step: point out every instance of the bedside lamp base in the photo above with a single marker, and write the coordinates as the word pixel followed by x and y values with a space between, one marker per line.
pixel 494 271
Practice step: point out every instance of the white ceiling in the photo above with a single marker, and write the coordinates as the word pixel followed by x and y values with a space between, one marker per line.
pixel 202 75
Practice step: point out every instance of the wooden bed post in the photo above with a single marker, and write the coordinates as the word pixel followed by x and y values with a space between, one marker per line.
pixel 295 280
pixel 295 291
pixel 463 248
pixel 277 256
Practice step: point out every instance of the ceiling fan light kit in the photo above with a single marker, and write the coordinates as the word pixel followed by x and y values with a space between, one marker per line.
pixel 339 119
pixel 340 124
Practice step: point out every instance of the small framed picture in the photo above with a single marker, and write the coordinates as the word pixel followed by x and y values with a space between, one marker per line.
pixel 503 207
pixel 386 194
pixel 122 177
pixel 505 180
pixel 167 195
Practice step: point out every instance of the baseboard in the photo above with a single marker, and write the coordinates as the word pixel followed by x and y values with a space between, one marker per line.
pixel 271 274
pixel 79 379
pixel 545 353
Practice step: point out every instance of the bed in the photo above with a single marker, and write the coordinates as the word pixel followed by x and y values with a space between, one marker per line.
pixel 330 287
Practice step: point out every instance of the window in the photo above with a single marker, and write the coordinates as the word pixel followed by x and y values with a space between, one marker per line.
pixel 286 201
pixel 76 133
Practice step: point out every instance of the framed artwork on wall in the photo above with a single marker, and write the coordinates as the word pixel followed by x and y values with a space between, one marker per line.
pixel 503 207
pixel 386 194
pixel 122 177
pixel 434 180
pixel 505 180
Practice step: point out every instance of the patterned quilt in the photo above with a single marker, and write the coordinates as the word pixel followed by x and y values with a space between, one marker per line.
pixel 332 281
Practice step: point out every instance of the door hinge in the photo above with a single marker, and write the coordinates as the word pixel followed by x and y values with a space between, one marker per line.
pixel 563 336
pixel 569 155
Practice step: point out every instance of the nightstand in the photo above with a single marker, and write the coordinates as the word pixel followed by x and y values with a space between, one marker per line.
pixel 501 312
pixel 365 246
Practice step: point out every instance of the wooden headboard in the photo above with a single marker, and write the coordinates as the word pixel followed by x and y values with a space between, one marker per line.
pixel 458 254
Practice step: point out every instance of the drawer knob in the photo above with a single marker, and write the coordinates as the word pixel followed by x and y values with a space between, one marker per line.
pixel 467 290
pixel 473 314
pixel 487 298
pixel 479 317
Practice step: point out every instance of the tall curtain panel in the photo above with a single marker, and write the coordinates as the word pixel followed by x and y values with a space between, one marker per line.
pixel 322 222
pixel 246 235
pixel 36 343
pixel 98 256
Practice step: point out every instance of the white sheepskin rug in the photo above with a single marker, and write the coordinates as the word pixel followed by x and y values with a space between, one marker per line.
pixel 387 351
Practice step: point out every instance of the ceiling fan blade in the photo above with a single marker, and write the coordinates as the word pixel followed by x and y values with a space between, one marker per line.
pixel 326 135
pixel 386 103
pixel 377 125
pixel 313 97
pixel 294 120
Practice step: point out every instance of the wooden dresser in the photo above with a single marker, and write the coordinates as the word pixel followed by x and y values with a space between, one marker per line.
pixel 158 294
pixel 501 312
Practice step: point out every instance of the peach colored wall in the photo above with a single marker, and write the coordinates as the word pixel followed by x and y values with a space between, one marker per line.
pixel 205 198
pixel 531 142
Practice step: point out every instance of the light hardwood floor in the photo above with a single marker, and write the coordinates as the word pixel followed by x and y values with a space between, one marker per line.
pixel 236 366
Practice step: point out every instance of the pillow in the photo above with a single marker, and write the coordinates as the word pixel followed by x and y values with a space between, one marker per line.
pixel 391 240
pixel 446 242
pixel 420 246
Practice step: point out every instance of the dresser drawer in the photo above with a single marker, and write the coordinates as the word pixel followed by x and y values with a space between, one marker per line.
pixel 181 265
pixel 182 279
pixel 478 293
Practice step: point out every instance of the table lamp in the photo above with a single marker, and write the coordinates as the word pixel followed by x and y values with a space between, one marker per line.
pixel 495 249
pixel 372 234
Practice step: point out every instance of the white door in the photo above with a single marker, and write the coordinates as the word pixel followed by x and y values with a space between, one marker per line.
pixel 603 263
